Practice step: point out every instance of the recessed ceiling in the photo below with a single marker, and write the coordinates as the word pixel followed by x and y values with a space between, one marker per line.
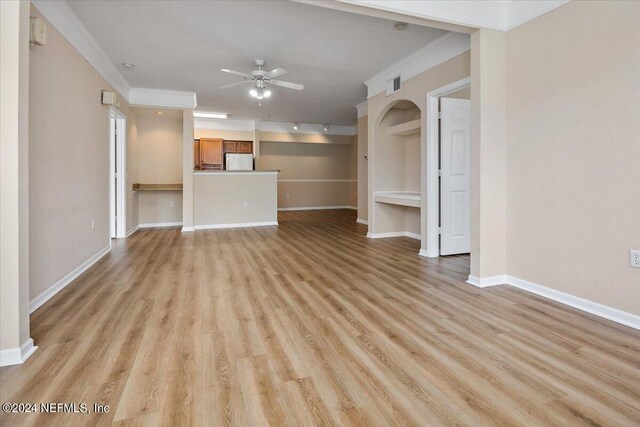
pixel 182 45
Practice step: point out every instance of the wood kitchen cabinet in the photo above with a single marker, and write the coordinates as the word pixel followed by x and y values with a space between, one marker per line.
pixel 211 153
pixel 196 154
pixel 244 147
pixel 230 147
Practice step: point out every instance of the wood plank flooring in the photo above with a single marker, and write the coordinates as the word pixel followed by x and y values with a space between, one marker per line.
pixel 311 323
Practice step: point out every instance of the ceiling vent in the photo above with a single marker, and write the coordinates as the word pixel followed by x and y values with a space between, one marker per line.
pixel 394 85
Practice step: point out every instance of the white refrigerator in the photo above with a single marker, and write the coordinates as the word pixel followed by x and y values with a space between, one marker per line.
pixel 239 162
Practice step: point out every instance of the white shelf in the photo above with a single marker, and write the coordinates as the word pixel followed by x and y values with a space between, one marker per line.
pixel 405 129
pixel 403 198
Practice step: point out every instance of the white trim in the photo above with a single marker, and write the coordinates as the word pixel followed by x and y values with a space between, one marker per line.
pixel 430 154
pixel 394 234
pixel 438 51
pixel 18 355
pixel 226 124
pixel 362 221
pixel 317 180
pixel 61 16
pixel 597 309
pixel 236 225
pixel 143 97
pixel 188 229
pixel 501 15
pixel 161 224
pixel 118 195
pixel 66 279
pixel 423 253
pixel 133 230
pixel 234 172
pixel 316 208
pixel 308 128
pixel 363 109
pixel 487 281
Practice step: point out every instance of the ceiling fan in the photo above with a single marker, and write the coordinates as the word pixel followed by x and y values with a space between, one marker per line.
pixel 261 80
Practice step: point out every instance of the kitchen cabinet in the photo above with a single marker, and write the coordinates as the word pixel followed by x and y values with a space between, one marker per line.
pixel 245 147
pixel 211 153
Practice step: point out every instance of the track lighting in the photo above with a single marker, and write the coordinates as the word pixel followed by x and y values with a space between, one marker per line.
pixel 296 125
pixel 325 127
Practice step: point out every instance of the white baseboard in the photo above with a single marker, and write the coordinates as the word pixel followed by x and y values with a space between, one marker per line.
pixel 237 225
pixel 187 229
pixel 316 208
pixel 161 224
pixel 68 278
pixel 18 355
pixel 394 234
pixel 597 309
pixel 362 221
pixel 488 281
pixel 133 230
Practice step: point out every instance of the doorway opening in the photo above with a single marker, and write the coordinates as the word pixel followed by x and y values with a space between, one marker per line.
pixel 448 174
pixel 117 174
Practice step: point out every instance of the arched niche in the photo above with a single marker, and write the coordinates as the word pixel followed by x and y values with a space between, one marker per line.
pixel 396 169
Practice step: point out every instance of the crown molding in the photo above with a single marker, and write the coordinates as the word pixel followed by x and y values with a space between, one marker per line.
pixel 142 97
pixel 438 51
pixel 363 109
pixel 224 124
pixel 498 15
pixel 280 127
pixel 64 19
pixel 307 128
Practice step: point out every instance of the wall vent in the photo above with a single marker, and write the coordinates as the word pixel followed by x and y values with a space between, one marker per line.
pixel 394 85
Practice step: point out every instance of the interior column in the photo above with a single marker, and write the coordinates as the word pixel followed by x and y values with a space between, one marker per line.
pixel 15 343
pixel 488 154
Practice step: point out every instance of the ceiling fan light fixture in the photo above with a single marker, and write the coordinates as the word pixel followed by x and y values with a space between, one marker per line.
pixel 296 125
pixel 267 93
pixel 253 93
pixel 325 127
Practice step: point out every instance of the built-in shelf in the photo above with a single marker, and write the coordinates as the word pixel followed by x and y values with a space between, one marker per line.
pixel 403 198
pixel 405 129
pixel 157 187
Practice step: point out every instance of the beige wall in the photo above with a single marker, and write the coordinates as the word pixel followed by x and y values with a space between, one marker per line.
pixel 159 156
pixel 14 176
pixel 488 153
pixel 236 135
pixel 187 169
pixel 69 161
pixel 574 151
pixel 132 170
pixel 312 161
pixel 363 178
pixel 159 149
pixel 220 198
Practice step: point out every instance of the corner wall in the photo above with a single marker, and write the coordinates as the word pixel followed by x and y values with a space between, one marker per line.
pixel 574 151
pixel 69 161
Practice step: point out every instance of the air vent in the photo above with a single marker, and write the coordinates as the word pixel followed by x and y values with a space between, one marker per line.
pixel 394 85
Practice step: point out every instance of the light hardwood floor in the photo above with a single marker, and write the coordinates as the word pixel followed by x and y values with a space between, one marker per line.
pixel 311 323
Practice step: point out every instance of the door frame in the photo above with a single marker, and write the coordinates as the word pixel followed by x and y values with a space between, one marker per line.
pixel 430 208
pixel 117 154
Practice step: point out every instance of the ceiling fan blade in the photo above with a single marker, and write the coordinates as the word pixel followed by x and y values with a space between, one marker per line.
pixel 276 73
pixel 235 84
pixel 289 85
pixel 237 73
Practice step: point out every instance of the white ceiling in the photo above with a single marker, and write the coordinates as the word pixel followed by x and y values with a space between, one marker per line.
pixel 182 45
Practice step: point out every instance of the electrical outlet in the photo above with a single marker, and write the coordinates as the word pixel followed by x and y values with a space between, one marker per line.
pixel 245 204
pixel 635 258
pixel 171 203
pixel 93 224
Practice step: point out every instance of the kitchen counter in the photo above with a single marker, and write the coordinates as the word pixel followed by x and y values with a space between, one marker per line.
pixel 237 172
pixel 235 198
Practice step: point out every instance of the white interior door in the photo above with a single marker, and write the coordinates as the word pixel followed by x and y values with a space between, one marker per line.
pixel 455 181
